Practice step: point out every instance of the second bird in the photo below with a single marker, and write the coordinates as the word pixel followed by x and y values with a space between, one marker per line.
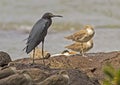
pixel 38 33
pixel 81 47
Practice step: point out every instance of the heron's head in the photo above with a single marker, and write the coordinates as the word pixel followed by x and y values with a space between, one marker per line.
pixel 50 15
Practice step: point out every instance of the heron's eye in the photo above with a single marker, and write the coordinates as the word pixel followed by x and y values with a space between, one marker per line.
pixel 50 14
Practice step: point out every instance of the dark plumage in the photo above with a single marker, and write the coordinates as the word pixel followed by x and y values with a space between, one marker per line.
pixel 38 33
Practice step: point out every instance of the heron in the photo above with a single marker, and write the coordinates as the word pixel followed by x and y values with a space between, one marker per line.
pixel 38 34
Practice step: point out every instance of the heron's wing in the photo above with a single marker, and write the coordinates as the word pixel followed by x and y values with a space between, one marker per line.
pixel 35 36
pixel 37 29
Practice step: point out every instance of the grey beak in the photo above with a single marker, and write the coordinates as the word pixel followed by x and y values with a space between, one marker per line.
pixel 57 16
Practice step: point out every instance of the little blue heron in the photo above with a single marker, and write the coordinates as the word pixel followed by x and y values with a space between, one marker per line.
pixel 38 33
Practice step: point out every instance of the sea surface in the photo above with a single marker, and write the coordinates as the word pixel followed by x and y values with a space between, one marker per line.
pixel 18 16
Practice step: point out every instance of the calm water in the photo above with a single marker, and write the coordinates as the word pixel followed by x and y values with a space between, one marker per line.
pixel 20 15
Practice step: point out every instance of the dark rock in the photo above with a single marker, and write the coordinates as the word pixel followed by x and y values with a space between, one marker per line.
pixel 4 59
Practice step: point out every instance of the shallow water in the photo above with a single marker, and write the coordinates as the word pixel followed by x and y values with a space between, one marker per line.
pixel 12 42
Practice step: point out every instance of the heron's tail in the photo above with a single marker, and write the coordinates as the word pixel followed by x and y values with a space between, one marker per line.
pixel 26 49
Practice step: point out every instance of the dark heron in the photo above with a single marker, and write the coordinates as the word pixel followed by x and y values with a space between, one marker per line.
pixel 38 33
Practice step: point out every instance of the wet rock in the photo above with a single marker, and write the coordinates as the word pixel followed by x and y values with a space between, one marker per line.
pixel 4 58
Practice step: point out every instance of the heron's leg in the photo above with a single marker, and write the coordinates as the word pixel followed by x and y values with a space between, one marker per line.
pixel 43 52
pixel 33 55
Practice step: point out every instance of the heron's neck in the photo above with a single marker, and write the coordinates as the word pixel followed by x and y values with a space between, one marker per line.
pixel 49 21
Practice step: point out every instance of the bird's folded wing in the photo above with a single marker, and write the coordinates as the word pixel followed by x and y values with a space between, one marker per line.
pixel 36 35
pixel 79 35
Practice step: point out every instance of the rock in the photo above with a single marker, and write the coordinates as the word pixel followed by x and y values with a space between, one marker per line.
pixel 81 70
pixel 41 74
pixel 79 78
pixel 7 72
pixel 61 78
pixel 22 65
pixel 37 75
pixel 92 65
pixel 4 59
pixel 17 79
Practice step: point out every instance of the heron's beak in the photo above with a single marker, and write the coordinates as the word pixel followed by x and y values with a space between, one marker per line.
pixel 57 16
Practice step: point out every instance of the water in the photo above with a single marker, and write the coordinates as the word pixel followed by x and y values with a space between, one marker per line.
pixel 18 16
pixel 12 42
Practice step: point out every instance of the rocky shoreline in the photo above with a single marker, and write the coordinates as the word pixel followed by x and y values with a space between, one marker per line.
pixel 81 70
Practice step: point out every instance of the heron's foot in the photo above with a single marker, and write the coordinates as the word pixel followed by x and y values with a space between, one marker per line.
pixel 32 64
pixel 43 61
